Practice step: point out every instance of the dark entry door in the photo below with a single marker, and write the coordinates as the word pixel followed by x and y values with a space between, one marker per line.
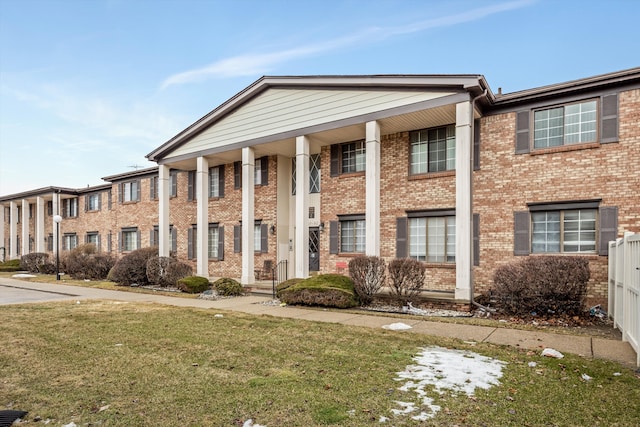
pixel 314 249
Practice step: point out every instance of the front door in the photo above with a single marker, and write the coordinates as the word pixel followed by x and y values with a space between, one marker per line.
pixel 314 249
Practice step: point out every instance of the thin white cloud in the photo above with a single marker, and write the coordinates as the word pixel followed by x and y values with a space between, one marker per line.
pixel 255 64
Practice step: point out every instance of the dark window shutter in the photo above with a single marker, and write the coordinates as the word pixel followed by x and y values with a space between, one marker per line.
pixel 335 160
pixel 476 145
pixel 521 224
pixel 138 198
pixel 237 239
pixel 221 181
pixel 109 195
pixel 99 244
pixel 522 132
pixel 191 177
pixel 99 201
pixel 152 239
pixel 237 175
pixel 220 243
pixel 609 119
pixel 174 184
pixel 49 208
pixel 119 241
pixel 65 202
pixel 152 182
pixel 401 237
pixel 120 195
pixel 190 243
pixel 608 227
pixel 138 240
pixel 264 238
pixel 476 239
pixel 334 247
pixel 86 202
pixel 265 170
pixel 174 239
pixel 109 242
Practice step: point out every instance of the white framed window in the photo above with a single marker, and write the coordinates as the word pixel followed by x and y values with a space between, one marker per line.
pixel 129 240
pixel 93 202
pixel 352 236
pixel 213 241
pixel 257 172
pixel 130 191
pixel 433 239
pixel 353 157
pixel 433 150
pixel 214 182
pixel 69 241
pixel 560 231
pixel 567 124
pixel 70 207
pixel 93 237
pixel 257 237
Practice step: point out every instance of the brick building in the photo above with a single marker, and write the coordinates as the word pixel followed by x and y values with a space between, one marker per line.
pixel 324 168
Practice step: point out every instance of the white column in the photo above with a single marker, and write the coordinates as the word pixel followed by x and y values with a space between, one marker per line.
pixel 373 189
pixel 13 230
pixel 2 244
pixel 164 237
pixel 25 227
pixel 40 238
pixel 248 217
pixel 464 206
pixel 202 217
pixel 302 208
pixel 55 201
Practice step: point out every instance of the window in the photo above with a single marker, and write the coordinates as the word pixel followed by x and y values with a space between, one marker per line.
pixel 69 241
pixel 563 231
pixel 93 202
pixel 214 240
pixel 257 237
pixel 314 174
pixel 93 237
pixel 433 150
pixel 353 156
pixel 70 208
pixel 130 191
pixel 216 181
pixel 260 235
pixel 567 124
pixel 129 239
pixel 153 188
pixel 352 236
pixel 49 208
pixel 50 242
pixel 433 239
pixel 257 172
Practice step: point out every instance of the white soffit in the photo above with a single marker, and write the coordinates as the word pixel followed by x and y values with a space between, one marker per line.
pixel 279 110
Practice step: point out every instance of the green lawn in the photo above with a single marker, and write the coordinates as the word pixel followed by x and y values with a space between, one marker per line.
pixel 122 364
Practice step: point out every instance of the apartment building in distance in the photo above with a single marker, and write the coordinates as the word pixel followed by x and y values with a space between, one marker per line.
pixel 315 170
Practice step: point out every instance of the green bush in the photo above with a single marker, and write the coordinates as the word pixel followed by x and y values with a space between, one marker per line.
pixel 10 266
pixel 406 279
pixel 166 271
pixel 193 284
pixel 85 262
pixel 228 287
pixel 286 284
pixel 542 285
pixel 326 290
pixel 34 262
pixel 132 268
pixel 369 274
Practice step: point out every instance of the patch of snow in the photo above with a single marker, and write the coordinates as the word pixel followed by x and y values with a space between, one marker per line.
pixel 218 315
pixel 549 352
pixel 397 326
pixel 71 424
pixel 532 364
pixel 249 423
pixel 443 370
pixel 616 374
pixel 23 275
pixel 586 377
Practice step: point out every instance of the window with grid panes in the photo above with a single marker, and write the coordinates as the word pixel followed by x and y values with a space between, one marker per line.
pixel 433 150
pixel 352 236
pixel 567 124
pixel 214 238
pixel 353 157
pixel 433 239
pixel 563 231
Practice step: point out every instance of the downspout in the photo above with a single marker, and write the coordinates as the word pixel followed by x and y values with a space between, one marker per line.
pixel 473 105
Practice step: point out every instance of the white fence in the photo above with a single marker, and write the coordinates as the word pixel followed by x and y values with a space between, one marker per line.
pixel 624 288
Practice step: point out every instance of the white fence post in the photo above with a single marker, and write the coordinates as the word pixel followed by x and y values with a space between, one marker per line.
pixel 624 288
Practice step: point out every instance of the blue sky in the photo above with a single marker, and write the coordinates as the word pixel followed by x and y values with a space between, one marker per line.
pixel 88 88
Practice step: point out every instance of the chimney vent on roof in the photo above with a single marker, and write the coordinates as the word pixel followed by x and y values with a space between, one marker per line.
pixel 499 91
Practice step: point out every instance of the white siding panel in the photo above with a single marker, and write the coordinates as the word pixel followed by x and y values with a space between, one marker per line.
pixel 283 110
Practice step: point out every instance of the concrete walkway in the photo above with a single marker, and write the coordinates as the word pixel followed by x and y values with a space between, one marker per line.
pixel 593 347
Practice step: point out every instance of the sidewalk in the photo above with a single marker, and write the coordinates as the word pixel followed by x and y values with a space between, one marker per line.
pixel 591 347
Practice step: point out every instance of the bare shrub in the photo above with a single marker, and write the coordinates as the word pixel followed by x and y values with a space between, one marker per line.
pixel 369 274
pixel 406 279
pixel 166 271
pixel 85 262
pixel 34 262
pixel 132 268
pixel 543 285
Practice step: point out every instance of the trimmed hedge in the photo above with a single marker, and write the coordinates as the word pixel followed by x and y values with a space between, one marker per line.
pixel 194 284
pixel 326 290
pixel 543 285
pixel 228 287
pixel 369 274
pixel 10 266
pixel 166 271
pixel 286 284
pixel 132 268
